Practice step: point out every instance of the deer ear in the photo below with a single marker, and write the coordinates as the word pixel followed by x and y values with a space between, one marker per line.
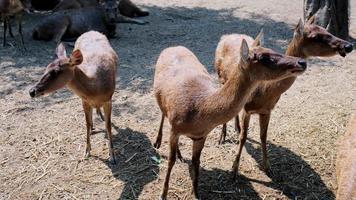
pixel 312 20
pixel 76 58
pixel 61 51
pixel 244 51
pixel 299 29
pixel 260 39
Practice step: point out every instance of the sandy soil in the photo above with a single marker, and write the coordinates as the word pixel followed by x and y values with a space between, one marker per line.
pixel 42 140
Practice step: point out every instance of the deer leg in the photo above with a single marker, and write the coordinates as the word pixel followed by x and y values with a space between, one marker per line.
pixel 107 114
pixel 61 28
pixel 10 29
pixel 242 141
pixel 89 123
pixel 197 148
pixel 223 134
pixel 237 124
pixel 124 19
pixel 264 121
pixel 179 154
pixel 173 143
pixel 98 112
pixel 158 142
pixel 19 21
pixel 5 28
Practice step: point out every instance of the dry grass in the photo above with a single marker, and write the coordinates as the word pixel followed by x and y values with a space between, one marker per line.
pixel 42 141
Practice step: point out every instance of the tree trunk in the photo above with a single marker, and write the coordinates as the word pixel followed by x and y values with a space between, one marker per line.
pixel 330 14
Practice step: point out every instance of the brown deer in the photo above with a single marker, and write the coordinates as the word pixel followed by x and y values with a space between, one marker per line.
pixel 90 73
pixel 188 97
pixel 346 163
pixel 308 40
pixel 9 8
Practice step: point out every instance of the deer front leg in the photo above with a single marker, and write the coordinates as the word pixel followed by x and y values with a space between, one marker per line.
pixel 242 141
pixel 10 28
pixel 88 111
pixel 264 121
pixel 4 19
pixel 107 115
pixel 197 148
pixel 173 144
pixel 237 124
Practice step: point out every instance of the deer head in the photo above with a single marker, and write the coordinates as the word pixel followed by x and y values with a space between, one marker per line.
pixel 266 64
pixel 58 73
pixel 317 41
pixel 111 10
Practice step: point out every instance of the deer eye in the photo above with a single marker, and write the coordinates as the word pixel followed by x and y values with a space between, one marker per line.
pixel 266 60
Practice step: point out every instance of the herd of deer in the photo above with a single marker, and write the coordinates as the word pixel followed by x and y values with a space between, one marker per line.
pixel 252 79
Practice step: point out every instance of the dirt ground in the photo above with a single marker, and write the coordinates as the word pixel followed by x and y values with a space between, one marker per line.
pixel 42 140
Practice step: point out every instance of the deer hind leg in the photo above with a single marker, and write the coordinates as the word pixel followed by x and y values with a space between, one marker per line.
pixel 107 114
pixel 88 111
pixel 173 144
pixel 10 28
pixel 197 148
pixel 158 142
pixel 61 28
pixel 223 134
pixel 19 21
pixel 242 141
pixel 264 121
pixel 237 124
pixel 98 112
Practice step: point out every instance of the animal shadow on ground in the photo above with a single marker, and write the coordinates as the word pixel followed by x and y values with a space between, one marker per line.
pixel 135 166
pixel 219 184
pixel 290 173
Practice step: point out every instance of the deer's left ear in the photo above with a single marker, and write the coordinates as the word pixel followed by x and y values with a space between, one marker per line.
pixel 76 58
pixel 299 29
pixel 312 20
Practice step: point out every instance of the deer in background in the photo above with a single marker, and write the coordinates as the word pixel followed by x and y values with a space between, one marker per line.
pixel 309 40
pixel 9 8
pixel 90 73
pixel 346 163
pixel 188 97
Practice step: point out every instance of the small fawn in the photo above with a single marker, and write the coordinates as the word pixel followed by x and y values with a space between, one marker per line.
pixel 90 73
pixel 309 40
pixel 346 163
pixel 188 97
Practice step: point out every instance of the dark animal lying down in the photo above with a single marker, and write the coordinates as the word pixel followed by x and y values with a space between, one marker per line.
pixel 68 25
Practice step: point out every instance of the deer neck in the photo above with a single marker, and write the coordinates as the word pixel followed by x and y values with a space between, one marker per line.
pixel 294 49
pixel 80 82
pixel 227 101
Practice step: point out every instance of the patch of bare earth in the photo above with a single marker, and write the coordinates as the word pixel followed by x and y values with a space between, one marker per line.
pixel 42 140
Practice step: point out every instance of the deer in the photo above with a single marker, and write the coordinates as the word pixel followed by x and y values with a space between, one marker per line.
pixel 67 25
pixel 89 72
pixel 9 8
pixel 309 40
pixel 187 96
pixel 346 163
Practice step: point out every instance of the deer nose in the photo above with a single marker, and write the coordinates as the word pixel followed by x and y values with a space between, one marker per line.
pixel 32 92
pixel 348 48
pixel 302 63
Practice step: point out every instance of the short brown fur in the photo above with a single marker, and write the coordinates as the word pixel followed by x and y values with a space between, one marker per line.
pixel 346 163
pixel 188 97
pixel 309 40
pixel 90 73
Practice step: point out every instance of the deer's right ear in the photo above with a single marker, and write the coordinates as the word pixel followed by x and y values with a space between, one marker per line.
pixel 61 51
pixel 244 51
pixel 76 58
pixel 299 29
pixel 259 41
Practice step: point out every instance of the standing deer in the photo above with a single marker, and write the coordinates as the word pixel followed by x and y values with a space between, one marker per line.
pixel 309 40
pixel 9 8
pixel 346 163
pixel 188 97
pixel 90 73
